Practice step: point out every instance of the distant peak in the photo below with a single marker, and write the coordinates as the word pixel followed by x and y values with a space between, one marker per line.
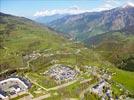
pixel 129 4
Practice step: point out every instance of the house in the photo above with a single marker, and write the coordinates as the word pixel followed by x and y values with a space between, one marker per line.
pixel 3 95
pixel 13 86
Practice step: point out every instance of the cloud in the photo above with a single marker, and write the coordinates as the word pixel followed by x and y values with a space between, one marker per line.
pixel 129 3
pixel 104 7
pixel 107 5
pixel 71 10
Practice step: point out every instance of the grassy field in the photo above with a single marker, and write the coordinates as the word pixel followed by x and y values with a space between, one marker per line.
pixel 42 80
pixel 126 78
pixel 27 36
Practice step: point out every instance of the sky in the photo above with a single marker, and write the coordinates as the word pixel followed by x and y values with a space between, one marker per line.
pixel 36 8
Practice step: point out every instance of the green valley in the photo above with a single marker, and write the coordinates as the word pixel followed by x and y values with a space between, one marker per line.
pixel 38 63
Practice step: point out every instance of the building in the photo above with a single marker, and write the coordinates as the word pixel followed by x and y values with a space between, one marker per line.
pixel 3 95
pixel 13 86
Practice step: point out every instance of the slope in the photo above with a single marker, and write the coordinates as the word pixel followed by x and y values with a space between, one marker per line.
pixel 20 36
pixel 86 25
pixel 117 47
pixel 22 40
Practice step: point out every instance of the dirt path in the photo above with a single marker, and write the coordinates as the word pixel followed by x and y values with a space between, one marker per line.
pixel 84 81
pixel 36 83
pixel 62 85
pixel 42 97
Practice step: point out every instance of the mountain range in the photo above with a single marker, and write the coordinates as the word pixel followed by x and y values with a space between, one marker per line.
pixel 110 31
pixel 86 25
pixel 48 19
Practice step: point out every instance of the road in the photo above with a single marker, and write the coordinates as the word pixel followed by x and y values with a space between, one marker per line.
pixel 42 97
pixel 84 81
pixel 62 85
pixel 36 83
